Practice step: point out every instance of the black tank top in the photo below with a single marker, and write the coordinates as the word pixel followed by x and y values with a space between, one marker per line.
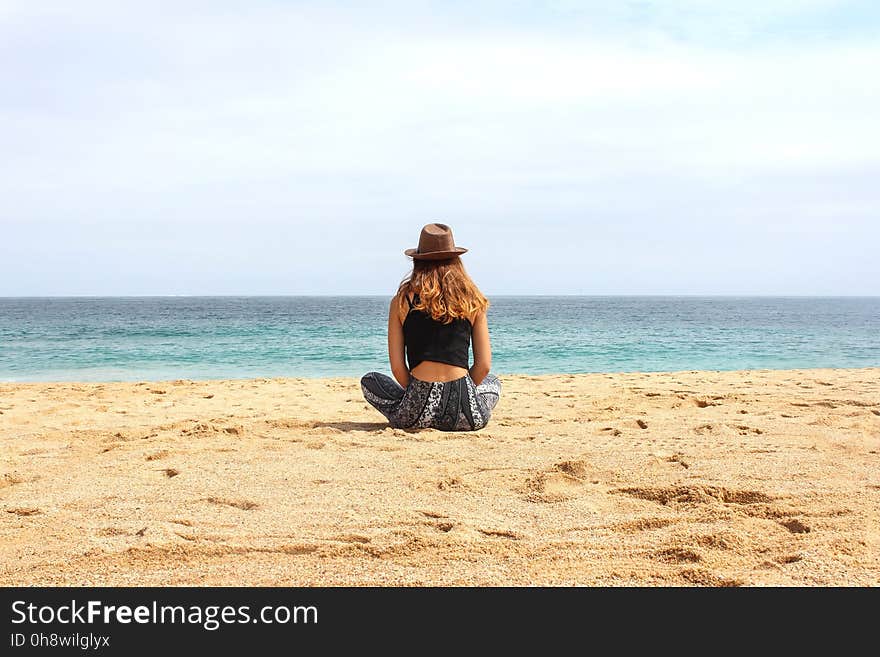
pixel 426 338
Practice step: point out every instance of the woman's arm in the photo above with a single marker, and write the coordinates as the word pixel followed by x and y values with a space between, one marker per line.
pixel 396 353
pixel 482 349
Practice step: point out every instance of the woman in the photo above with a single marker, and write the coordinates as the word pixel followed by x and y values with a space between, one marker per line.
pixel 433 318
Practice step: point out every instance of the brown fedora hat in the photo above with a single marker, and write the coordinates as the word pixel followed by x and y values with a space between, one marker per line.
pixel 435 243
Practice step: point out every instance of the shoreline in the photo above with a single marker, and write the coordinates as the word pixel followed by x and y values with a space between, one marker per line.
pixel 748 477
pixel 265 379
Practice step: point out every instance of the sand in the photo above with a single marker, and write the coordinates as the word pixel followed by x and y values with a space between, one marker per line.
pixel 690 478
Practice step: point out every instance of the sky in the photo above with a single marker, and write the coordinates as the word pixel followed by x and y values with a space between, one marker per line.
pixel 575 147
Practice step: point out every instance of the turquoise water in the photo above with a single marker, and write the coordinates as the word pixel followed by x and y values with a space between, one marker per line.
pixel 150 338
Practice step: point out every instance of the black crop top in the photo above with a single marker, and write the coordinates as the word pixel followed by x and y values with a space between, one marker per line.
pixel 426 338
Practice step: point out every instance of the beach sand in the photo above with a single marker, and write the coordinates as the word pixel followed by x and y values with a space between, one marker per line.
pixel 689 478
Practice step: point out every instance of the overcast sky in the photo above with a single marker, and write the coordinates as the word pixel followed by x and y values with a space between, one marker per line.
pixel 676 146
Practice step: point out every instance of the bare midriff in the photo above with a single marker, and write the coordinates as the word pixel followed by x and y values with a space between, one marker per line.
pixel 429 370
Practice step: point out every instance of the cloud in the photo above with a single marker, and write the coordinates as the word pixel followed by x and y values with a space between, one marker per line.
pixel 189 124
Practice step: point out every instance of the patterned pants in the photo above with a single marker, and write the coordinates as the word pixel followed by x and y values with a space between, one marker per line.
pixel 458 405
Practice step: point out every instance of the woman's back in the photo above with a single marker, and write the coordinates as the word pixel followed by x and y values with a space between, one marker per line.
pixel 430 340
pixel 435 317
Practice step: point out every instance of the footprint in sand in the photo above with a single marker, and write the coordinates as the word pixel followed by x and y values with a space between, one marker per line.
pixel 11 479
pixel 352 538
pixel 705 578
pixel 448 483
pixel 113 531
pixel 558 484
pixel 795 526
pixel 679 459
pixel 718 541
pixel 641 524
pixel 118 531
pixel 695 494
pixel 789 558
pixel 244 505
pixel 500 533
pixel 678 555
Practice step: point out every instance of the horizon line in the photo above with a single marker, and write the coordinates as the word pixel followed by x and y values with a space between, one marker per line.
pixel 212 296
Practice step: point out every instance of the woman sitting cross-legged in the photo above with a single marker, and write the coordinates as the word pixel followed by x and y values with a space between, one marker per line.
pixel 435 315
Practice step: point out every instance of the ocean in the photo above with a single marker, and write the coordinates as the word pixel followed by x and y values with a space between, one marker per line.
pixel 158 338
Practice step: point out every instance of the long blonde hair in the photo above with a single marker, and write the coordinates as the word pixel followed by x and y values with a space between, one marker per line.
pixel 445 290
